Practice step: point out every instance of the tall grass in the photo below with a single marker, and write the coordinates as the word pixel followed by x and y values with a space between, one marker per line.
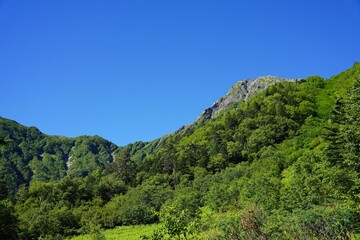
pixel 123 233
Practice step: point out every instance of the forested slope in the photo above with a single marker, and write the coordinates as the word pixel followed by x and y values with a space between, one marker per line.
pixel 282 165
pixel 29 155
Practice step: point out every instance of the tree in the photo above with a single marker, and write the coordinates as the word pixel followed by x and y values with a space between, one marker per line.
pixel 351 131
pixel 8 221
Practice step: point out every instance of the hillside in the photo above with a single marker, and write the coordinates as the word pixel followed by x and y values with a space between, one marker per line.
pixel 30 155
pixel 282 165
pixel 238 93
pixel 42 157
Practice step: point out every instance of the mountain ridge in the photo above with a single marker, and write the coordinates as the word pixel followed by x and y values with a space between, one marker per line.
pixel 241 90
pixel 72 150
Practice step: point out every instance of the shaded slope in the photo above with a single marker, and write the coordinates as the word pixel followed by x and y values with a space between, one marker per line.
pixel 31 155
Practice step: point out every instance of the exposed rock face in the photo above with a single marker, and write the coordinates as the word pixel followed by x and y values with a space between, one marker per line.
pixel 242 90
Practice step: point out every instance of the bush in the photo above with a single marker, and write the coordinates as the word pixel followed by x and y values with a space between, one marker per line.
pixel 247 224
pixel 319 222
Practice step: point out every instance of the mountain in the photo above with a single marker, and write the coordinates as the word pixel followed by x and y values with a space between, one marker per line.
pixel 29 154
pixel 43 157
pixel 284 164
pixel 240 91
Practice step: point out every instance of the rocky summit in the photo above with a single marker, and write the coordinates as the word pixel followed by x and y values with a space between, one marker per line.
pixel 240 91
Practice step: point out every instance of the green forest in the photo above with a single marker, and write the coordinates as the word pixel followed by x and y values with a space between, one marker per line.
pixel 284 164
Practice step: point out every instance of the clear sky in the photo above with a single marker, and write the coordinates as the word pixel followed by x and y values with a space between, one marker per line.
pixel 131 70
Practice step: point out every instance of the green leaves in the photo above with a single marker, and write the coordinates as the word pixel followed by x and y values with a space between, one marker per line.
pixel 8 221
pixel 283 165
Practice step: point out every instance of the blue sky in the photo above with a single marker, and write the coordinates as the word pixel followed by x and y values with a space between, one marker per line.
pixel 136 70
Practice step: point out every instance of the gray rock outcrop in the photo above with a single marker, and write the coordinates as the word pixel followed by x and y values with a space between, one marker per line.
pixel 241 90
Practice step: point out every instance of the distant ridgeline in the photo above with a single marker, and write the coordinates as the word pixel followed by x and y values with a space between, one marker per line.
pixel 32 155
pixel 272 159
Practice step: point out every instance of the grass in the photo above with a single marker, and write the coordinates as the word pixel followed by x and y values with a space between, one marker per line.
pixel 123 233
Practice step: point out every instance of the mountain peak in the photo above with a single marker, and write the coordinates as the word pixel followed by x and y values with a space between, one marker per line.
pixel 241 90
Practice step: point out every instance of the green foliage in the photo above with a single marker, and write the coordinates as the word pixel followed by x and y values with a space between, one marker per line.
pixel 282 165
pixel 247 224
pixel 123 168
pixel 120 233
pixel 8 221
pixel 177 224
pixel 319 222
pixel 88 154
pixel 30 155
